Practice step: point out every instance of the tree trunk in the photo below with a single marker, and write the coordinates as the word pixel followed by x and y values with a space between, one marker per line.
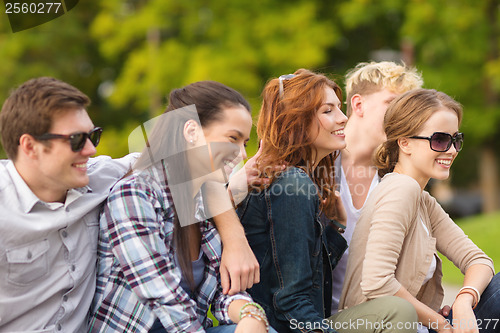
pixel 488 179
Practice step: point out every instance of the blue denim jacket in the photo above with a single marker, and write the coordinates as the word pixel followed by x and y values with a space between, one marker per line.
pixel 296 252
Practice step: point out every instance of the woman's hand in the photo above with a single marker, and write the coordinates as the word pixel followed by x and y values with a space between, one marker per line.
pixel 341 213
pixel 464 320
pixel 249 176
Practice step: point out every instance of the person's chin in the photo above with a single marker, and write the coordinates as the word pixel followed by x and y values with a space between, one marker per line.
pixel 81 182
pixel 442 175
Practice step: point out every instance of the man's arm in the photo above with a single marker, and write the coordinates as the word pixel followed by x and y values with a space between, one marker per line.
pixel 239 268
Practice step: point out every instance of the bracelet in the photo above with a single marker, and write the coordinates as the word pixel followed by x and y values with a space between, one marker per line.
pixel 252 304
pixel 467 291
pixel 478 295
pixel 257 313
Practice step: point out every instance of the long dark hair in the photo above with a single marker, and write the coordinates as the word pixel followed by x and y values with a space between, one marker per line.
pixel 210 98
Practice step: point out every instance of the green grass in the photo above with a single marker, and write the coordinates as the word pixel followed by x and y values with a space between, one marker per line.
pixel 484 231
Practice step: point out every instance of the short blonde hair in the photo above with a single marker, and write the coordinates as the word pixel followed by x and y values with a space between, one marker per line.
pixel 368 78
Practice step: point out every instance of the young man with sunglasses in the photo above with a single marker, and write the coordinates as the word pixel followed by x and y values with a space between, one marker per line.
pixel 50 196
pixel 370 87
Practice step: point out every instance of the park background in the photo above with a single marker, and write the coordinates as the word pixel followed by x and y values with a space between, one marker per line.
pixel 126 55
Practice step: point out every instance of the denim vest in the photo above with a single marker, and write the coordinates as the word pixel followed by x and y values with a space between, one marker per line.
pixel 296 251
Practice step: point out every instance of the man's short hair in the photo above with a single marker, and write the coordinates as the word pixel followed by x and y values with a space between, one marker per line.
pixel 368 78
pixel 30 109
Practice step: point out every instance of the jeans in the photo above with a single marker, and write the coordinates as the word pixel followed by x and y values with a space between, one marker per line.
pixel 158 328
pixel 488 310
pixel 222 329
pixel 229 329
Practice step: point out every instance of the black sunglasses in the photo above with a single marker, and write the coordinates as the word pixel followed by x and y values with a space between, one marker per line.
pixel 442 142
pixel 77 140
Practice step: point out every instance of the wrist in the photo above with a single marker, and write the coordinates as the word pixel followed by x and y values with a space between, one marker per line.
pixel 235 240
pixel 472 292
pixel 443 325
pixel 464 298
pixel 254 311
pixel 256 321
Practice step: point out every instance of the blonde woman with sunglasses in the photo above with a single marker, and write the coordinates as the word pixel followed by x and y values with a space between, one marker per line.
pixel 401 228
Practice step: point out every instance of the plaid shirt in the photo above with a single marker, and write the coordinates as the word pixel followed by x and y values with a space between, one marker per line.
pixel 138 279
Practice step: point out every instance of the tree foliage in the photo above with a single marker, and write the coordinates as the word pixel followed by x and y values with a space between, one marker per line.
pixel 128 54
pixel 167 44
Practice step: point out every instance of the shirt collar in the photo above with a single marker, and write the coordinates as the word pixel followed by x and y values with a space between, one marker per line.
pixel 27 199
pixel 199 213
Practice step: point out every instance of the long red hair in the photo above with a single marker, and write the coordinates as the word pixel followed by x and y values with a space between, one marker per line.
pixel 284 126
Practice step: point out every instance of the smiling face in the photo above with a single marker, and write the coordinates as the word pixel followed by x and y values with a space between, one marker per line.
pixel 60 168
pixel 226 140
pixel 422 162
pixel 330 135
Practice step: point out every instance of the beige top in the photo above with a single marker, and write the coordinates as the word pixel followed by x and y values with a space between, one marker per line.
pixel 390 247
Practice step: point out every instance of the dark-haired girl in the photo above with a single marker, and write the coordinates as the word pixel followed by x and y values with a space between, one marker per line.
pixel 159 253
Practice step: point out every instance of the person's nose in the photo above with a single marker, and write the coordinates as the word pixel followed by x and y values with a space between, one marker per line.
pixel 88 148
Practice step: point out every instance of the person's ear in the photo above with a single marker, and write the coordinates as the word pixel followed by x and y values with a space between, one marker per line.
pixel 191 131
pixel 357 105
pixel 405 145
pixel 28 146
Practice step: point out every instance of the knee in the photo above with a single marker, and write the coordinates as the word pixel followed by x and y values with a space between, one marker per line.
pixel 398 310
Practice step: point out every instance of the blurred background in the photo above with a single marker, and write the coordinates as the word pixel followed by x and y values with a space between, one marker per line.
pixel 126 55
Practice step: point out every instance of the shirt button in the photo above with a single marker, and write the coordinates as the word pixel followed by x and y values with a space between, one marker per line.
pixel 65 298
pixel 67 209
pixel 59 327
pixel 30 255
pixel 64 233
pixel 73 268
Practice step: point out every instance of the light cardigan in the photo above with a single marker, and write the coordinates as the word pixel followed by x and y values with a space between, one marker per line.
pixel 390 247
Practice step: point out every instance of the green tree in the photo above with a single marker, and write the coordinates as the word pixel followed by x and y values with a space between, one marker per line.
pixel 161 45
pixel 61 48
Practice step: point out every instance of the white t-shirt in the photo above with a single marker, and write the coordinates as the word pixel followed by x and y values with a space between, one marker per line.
pixel 430 274
pixel 352 217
